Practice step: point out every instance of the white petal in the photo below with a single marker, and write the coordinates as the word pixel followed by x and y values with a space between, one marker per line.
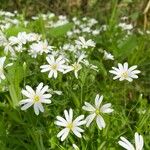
pixel 121 79
pixel 26 93
pixel 120 67
pixel 135 72
pixel 138 141
pixel 106 108
pixel 55 74
pixel 89 119
pixel 62 132
pixel 2 60
pixel 24 101
pixel 78 119
pixel 70 115
pixel 36 109
pixel 50 74
pixel 50 59
pixel 113 72
pixel 65 134
pixel 39 87
pixel 46 96
pixel 126 144
pixel 98 100
pixel 59 123
pixel 45 69
pixel 81 123
pixel 70 68
pixel 88 107
pixel 100 122
pixel 116 69
pixel 46 101
pixel 60 58
pixel 61 119
pixel 40 106
pixel 66 115
pixel 126 66
pixel 116 77
pixel 132 68
pixel 30 90
pixel 129 79
pixel 134 76
pixel 45 88
pixel 76 74
pixel 26 106
pixel 2 76
pixel 79 129
pixel 77 133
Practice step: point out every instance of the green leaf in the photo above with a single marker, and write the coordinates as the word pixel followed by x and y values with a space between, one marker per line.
pixel 61 30
pixel 15 76
pixel 13 31
pixel 126 47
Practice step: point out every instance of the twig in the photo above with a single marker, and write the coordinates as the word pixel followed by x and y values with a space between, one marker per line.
pixel 145 14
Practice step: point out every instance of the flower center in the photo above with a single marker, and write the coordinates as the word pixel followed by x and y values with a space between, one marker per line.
pixel 125 74
pixel 97 111
pixel 54 66
pixel 70 126
pixel 76 66
pixel 44 47
pixel 36 98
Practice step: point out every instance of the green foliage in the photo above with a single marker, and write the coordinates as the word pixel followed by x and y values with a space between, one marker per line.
pixel 23 130
pixel 60 31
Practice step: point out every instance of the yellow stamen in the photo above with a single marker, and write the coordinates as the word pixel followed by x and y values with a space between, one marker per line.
pixel 36 98
pixel 54 66
pixel 125 74
pixel 45 47
pixel 70 126
pixel 97 111
pixel 76 66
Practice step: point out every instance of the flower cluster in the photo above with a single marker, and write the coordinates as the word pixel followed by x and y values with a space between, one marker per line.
pixel 65 58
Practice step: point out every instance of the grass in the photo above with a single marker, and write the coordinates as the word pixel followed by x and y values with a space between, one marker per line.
pixel 23 130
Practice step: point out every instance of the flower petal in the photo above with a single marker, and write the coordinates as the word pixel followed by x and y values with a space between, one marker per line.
pixel 100 122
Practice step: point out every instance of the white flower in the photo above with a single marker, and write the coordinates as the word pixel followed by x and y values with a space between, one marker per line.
pixel 69 47
pixel 69 33
pixel 88 30
pixel 33 37
pixel 43 47
pixel 95 32
pixel 82 43
pixel 3 39
pixel 75 66
pixel 97 111
pixel 125 73
pixel 35 98
pixel 139 143
pixel 9 48
pixel 40 48
pixel 19 48
pixel 69 124
pixel 2 76
pixel 125 26
pixel 92 22
pixel 34 50
pixel 54 66
pixel 20 39
pixel 108 56
pixel 91 66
